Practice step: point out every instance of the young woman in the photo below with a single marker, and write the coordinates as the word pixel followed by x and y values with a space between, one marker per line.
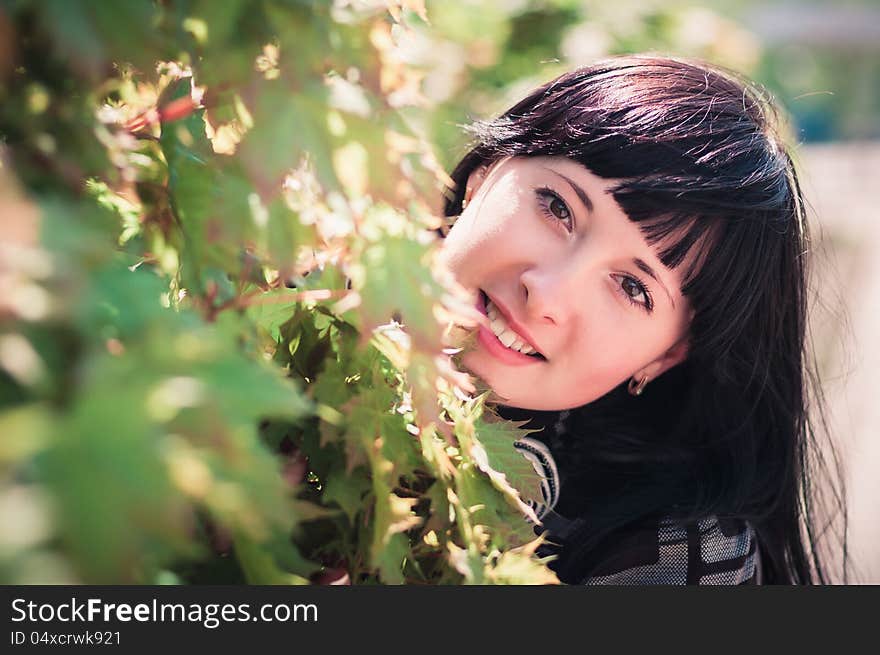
pixel 635 234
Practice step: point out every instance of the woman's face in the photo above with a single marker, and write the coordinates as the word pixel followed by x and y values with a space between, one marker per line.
pixel 568 275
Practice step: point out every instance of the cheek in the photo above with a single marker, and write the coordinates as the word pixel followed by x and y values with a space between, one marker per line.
pixel 596 371
pixel 462 256
pixel 479 239
pixel 612 355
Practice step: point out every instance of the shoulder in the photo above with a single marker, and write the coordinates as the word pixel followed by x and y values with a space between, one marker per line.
pixel 711 551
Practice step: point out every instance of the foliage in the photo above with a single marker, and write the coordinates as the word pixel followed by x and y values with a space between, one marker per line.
pixel 224 343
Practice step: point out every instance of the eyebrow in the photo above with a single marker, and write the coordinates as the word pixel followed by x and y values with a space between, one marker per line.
pixel 642 264
pixel 585 199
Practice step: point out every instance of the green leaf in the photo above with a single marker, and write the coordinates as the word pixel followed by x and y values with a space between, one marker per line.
pixel 275 308
pixel 249 390
pixel 261 567
pixel 395 279
pixel 390 559
pixel 347 491
pixel 517 568
pixel 117 506
pixel 120 302
pixel 285 235
pixel 92 35
pixel 497 439
pixel 368 423
pixel 507 526
pixel 287 124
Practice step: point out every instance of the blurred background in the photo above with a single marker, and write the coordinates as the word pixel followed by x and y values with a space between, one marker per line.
pixel 821 60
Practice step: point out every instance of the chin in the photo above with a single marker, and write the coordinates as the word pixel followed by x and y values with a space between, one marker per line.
pixel 520 401
pixel 502 394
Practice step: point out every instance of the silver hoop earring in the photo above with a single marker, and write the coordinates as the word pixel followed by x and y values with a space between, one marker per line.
pixel 636 389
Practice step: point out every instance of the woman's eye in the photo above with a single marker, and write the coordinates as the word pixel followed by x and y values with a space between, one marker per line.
pixel 554 207
pixel 636 292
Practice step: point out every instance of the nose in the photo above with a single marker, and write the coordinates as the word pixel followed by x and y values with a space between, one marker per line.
pixel 549 293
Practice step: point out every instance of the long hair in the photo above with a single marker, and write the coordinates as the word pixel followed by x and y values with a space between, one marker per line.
pixel 731 430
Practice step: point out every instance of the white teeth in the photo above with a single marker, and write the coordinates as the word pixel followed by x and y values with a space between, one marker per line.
pixel 507 338
pixel 505 335
pixel 524 348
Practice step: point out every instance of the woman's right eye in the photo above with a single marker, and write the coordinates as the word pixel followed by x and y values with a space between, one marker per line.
pixel 554 208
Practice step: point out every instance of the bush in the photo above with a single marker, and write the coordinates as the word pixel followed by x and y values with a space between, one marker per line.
pixel 224 341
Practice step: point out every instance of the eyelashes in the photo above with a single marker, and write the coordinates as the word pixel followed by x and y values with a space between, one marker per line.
pixel 640 287
pixel 556 210
pixel 553 207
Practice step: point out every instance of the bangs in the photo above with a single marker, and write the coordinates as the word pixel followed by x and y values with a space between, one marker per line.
pixel 681 240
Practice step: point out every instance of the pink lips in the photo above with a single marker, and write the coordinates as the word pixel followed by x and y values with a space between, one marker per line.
pixel 491 343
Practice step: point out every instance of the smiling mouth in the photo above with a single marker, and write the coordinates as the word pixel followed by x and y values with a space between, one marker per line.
pixel 504 333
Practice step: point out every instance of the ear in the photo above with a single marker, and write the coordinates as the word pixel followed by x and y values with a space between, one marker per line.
pixel 474 181
pixel 676 354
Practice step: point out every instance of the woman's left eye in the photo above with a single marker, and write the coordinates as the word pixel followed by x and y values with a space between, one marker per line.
pixel 554 207
pixel 635 292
